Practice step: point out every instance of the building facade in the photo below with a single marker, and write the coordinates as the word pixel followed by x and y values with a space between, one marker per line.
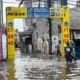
pixel 41 28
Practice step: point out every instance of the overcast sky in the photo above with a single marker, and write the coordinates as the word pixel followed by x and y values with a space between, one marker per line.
pixel 19 22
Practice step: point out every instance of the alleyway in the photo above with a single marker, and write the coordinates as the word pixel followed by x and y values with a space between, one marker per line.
pixel 32 68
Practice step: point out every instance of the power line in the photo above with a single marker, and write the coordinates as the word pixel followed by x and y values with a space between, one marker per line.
pixel 26 2
pixel 35 1
pixel 10 2
pixel 44 1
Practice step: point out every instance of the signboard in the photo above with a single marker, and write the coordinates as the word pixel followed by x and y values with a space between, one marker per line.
pixel 57 12
pixel 10 23
pixel 38 12
pixel 10 39
pixel 11 13
pixel 66 35
pixel 20 12
pixel 17 12
pixel 65 29
pixel 30 12
pixel 41 12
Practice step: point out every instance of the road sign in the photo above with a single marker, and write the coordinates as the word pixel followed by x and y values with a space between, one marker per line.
pixel 30 12
pixel 38 12
pixel 41 12
pixel 10 23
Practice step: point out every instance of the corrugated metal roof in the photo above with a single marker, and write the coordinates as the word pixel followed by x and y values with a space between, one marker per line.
pixel 75 18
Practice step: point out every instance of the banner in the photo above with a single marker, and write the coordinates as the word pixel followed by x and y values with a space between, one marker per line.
pixel 57 12
pixel 10 37
pixel 65 24
pixel 17 12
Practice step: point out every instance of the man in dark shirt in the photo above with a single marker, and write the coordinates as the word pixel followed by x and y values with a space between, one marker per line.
pixel 68 51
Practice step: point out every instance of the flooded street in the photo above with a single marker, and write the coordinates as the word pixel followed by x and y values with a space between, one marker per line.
pixel 28 68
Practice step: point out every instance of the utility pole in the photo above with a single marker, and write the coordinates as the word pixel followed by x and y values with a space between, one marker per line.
pixel 21 3
pixel 50 30
pixel 39 3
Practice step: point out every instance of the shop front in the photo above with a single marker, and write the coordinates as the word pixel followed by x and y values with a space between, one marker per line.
pixel 75 35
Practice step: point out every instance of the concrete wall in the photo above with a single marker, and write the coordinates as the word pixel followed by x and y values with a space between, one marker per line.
pixel 41 29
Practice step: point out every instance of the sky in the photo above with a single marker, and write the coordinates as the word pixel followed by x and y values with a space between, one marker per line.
pixel 18 23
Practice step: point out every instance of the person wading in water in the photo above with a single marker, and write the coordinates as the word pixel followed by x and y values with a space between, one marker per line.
pixel 59 50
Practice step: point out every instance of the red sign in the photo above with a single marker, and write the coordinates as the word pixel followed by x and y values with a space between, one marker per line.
pixel 10 36
pixel 66 34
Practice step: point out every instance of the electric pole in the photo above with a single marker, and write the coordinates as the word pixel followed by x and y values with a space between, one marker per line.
pixel 50 30
pixel 39 3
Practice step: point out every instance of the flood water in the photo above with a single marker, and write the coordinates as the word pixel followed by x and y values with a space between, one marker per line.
pixel 32 68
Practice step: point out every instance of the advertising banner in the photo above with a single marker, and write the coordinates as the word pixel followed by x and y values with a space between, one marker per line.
pixel 10 38
pixel 65 24
pixel 41 12
pixel 20 12
pixel 17 12
pixel 57 12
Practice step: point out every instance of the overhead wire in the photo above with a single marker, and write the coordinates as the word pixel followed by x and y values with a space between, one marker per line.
pixel 31 2
pixel 26 2
pixel 10 2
